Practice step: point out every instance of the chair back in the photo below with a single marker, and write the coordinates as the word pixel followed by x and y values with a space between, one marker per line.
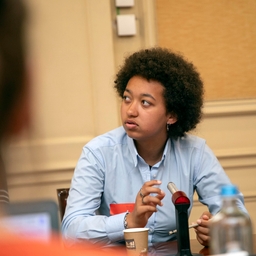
pixel 62 194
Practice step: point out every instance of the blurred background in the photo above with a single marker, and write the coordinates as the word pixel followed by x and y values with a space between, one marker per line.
pixel 74 51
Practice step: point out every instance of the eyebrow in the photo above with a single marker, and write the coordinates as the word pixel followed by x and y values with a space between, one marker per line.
pixel 143 94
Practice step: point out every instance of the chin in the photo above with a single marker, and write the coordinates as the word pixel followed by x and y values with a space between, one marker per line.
pixel 131 134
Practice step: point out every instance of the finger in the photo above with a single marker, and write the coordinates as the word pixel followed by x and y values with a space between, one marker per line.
pixel 199 240
pixel 203 239
pixel 206 215
pixel 206 218
pixel 147 207
pixel 203 223
pixel 152 183
pixel 148 188
pixel 202 242
pixel 152 200
pixel 203 230
pixel 161 195
pixel 156 194
pixel 152 191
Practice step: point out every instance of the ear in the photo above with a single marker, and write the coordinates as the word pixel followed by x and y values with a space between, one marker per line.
pixel 172 119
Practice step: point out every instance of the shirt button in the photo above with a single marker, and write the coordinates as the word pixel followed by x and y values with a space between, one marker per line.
pixel 154 175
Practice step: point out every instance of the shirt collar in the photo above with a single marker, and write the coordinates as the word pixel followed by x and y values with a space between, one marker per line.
pixel 135 154
pixel 133 150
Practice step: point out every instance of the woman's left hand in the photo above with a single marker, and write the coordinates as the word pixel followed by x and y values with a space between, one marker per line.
pixel 203 230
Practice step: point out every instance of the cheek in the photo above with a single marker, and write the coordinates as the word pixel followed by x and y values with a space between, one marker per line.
pixel 122 111
pixel 156 121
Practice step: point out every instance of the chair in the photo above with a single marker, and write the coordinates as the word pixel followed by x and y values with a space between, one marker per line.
pixel 62 194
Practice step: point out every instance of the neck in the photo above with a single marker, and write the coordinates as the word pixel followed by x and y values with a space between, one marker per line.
pixel 150 152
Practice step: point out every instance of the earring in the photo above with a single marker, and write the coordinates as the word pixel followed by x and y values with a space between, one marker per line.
pixel 168 127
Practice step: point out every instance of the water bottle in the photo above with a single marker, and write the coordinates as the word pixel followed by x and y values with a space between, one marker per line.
pixel 230 229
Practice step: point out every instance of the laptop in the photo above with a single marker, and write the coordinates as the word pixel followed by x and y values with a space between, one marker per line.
pixel 32 219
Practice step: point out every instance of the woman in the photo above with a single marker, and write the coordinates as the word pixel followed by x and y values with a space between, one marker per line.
pixel 162 98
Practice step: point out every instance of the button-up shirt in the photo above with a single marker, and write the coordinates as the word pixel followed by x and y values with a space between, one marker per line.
pixel 111 171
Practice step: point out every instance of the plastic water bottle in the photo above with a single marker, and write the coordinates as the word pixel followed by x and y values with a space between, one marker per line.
pixel 231 229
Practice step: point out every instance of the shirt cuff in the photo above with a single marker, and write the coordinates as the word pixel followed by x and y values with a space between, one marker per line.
pixel 115 227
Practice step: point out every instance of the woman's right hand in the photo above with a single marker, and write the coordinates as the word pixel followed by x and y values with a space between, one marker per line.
pixel 147 200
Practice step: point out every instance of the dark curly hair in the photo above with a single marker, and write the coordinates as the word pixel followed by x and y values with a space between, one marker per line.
pixel 183 86
pixel 12 60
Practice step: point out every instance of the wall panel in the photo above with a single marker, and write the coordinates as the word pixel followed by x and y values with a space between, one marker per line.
pixel 219 37
pixel 72 61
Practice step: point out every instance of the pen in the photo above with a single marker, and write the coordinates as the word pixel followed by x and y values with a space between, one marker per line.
pixel 191 226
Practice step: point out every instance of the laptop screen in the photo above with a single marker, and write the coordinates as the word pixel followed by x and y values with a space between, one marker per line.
pixel 37 219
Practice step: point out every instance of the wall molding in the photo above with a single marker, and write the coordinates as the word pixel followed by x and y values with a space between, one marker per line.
pixel 229 107
pixel 63 153
pixel 40 179
pixel 247 199
pixel 50 155
pixel 237 157
pixel 31 161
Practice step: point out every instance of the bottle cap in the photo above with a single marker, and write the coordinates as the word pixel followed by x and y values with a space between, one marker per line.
pixel 229 190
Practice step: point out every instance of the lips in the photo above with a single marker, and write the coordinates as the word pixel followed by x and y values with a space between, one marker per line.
pixel 130 124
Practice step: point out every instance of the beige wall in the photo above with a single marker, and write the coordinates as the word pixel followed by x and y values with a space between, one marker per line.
pixel 74 54
pixel 72 61
pixel 220 38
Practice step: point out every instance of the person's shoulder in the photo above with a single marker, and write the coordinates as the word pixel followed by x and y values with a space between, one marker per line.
pixel 114 137
pixel 190 140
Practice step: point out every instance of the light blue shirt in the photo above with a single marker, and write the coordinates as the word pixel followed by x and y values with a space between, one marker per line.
pixel 111 171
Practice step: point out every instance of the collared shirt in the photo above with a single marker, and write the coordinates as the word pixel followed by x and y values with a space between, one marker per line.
pixel 110 170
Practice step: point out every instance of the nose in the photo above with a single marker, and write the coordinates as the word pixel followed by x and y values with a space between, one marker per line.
pixel 132 109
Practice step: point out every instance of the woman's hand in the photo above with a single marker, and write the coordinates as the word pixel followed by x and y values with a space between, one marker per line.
pixel 147 200
pixel 203 230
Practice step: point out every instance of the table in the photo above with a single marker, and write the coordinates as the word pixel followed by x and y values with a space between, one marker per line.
pixel 170 248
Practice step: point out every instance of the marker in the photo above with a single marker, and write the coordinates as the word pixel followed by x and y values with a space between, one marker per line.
pixel 191 226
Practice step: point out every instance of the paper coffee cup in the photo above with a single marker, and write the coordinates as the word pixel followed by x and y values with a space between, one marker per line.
pixel 136 241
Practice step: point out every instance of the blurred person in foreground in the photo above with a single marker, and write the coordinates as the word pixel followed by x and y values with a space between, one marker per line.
pixel 14 88
pixel 14 117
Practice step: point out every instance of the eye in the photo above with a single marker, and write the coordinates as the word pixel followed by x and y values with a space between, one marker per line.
pixel 145 103
pixel 126 98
